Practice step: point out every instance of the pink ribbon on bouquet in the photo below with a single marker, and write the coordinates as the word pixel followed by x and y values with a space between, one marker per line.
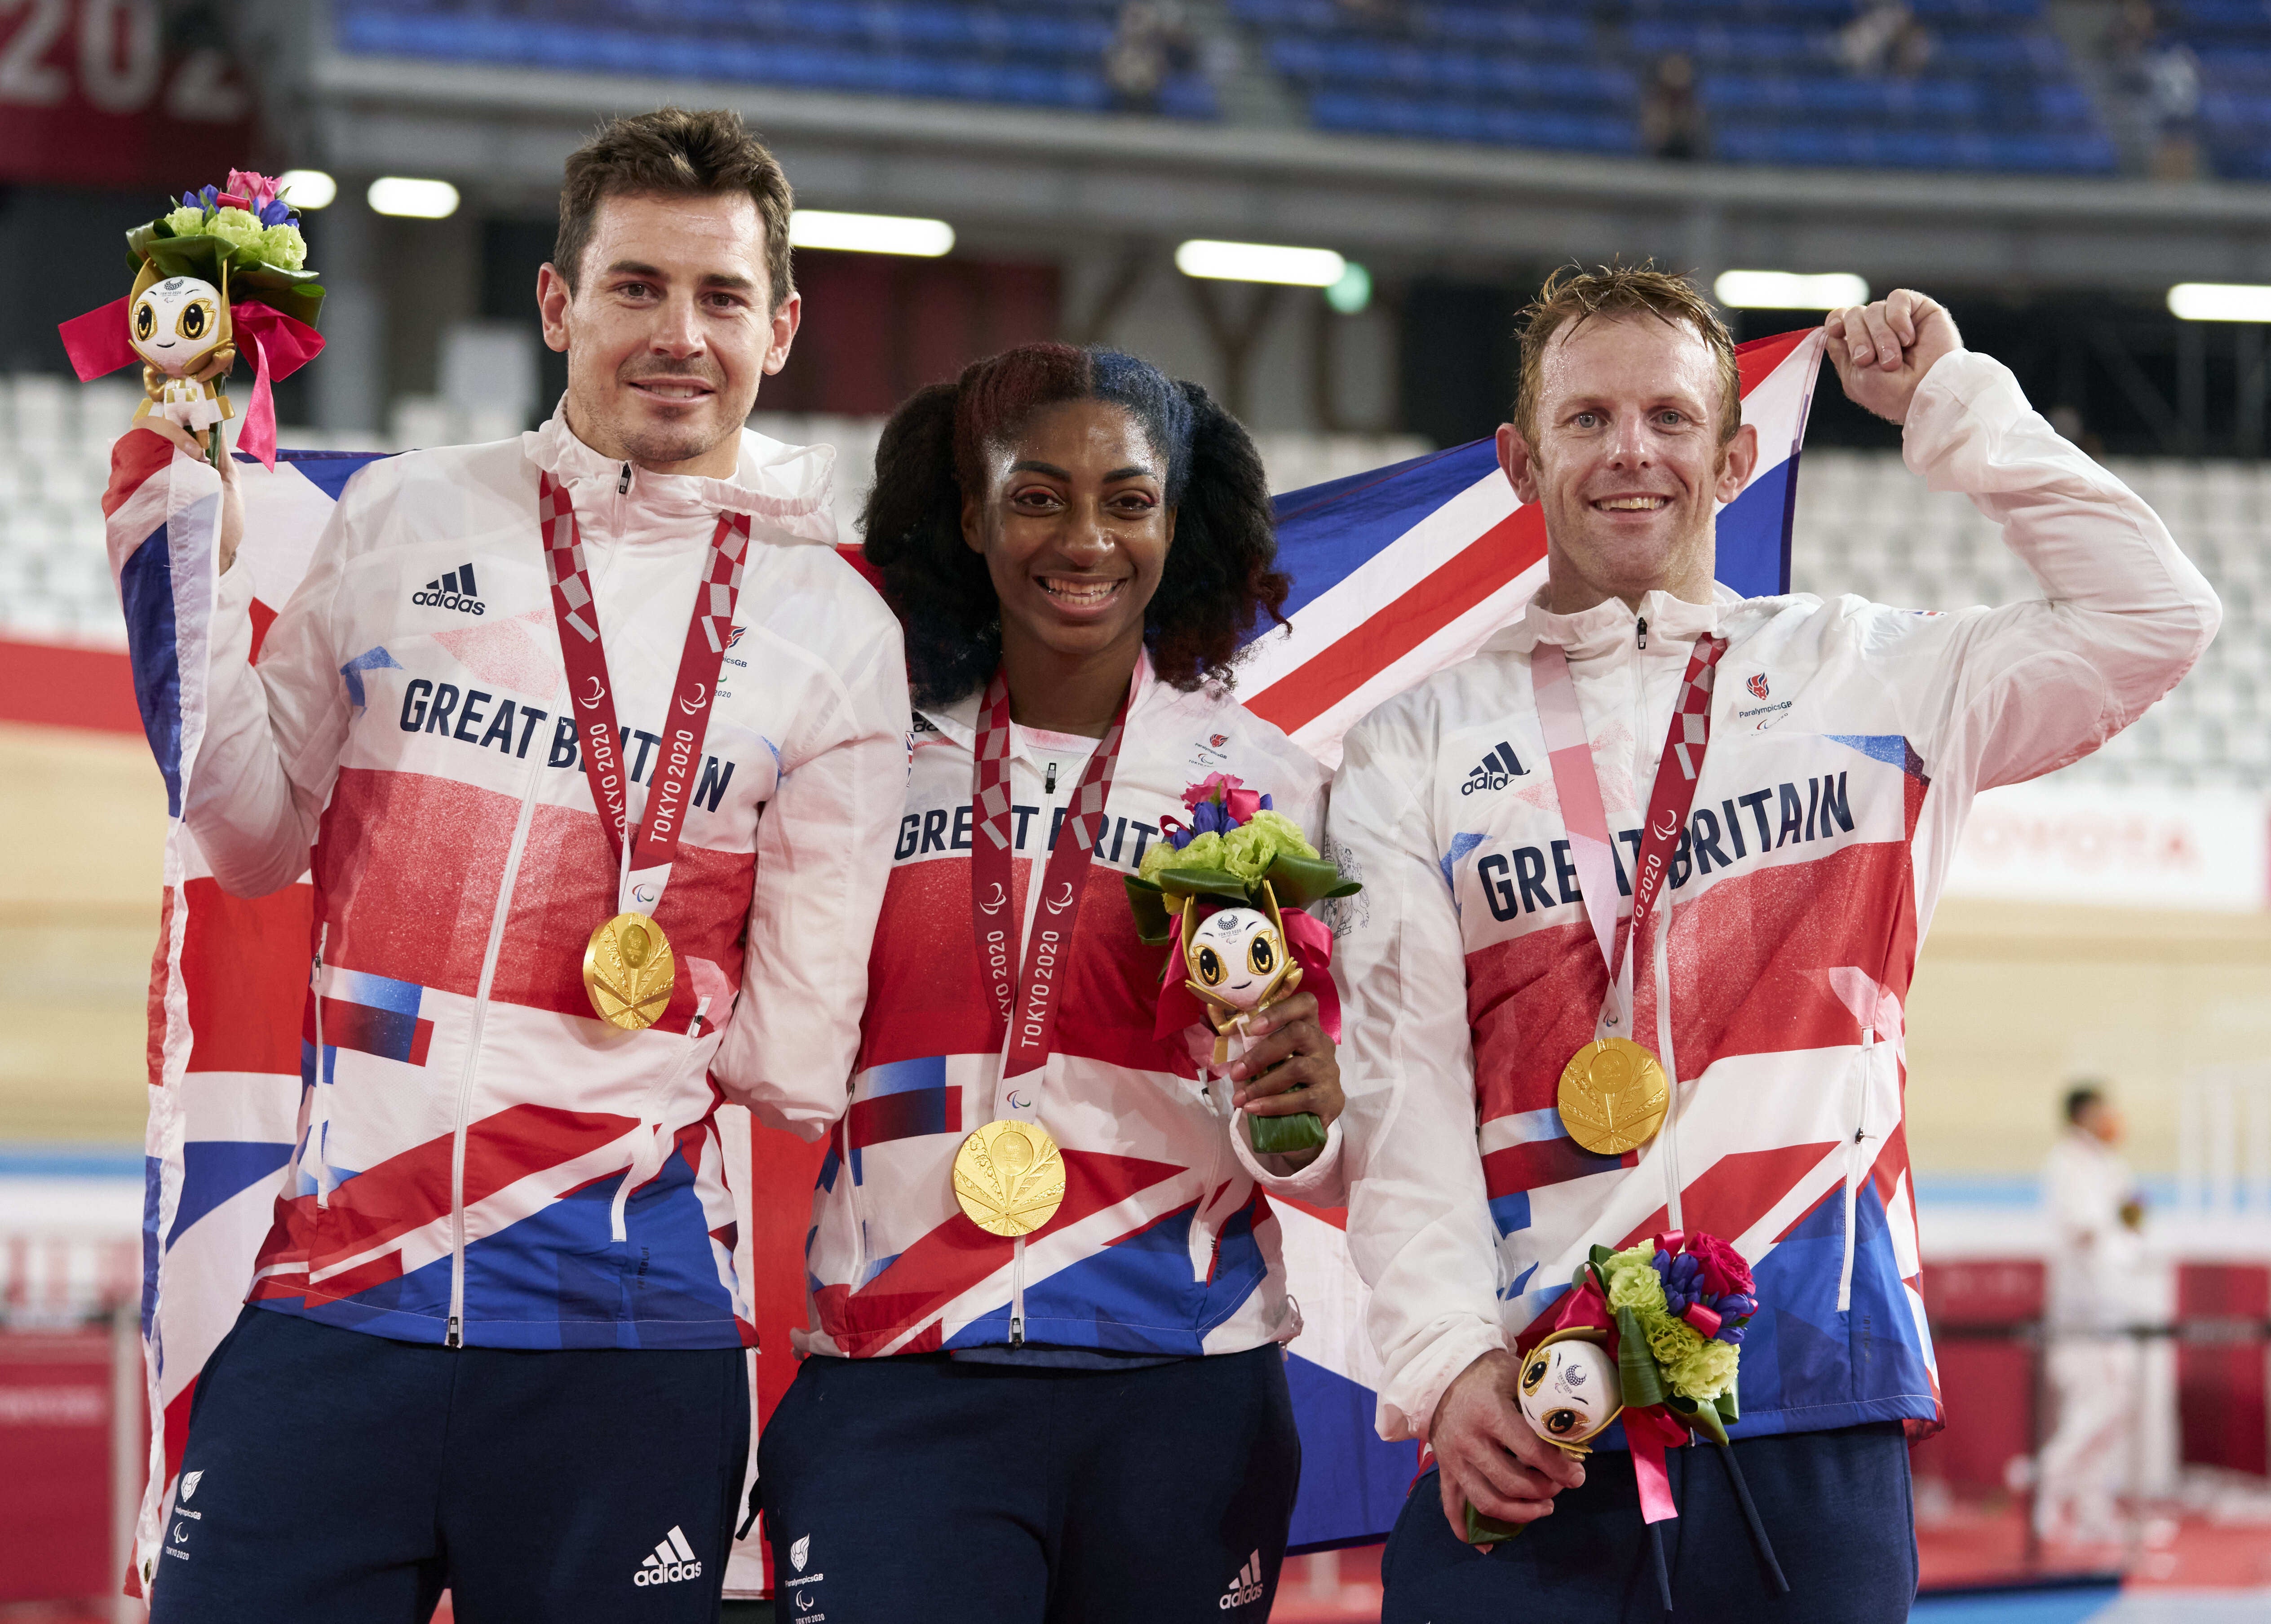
pixel 281 344
pixel 1650 1431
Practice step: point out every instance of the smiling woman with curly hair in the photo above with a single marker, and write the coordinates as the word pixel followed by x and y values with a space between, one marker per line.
pixel 1216 581
pixel 1084 1378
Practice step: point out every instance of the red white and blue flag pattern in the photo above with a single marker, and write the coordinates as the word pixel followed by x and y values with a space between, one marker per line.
pixel 1397 573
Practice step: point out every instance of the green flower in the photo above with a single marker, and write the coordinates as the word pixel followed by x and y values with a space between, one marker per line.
pixel 1247 852
pixel 282 246
pixel 186 222
pixel 1634 1283
pixel 1673 1342
pixel 1205 852
pixel 1707 1373
pixel 1284 833
pixel 237 227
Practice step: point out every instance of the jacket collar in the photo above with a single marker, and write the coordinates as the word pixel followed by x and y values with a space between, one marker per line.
pixel 786 488
pixel 1608 626
pixel 958 722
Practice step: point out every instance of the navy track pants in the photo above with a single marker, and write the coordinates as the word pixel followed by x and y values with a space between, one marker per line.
pixel 926 1488
pixel 333 1475
pixel 1835 1505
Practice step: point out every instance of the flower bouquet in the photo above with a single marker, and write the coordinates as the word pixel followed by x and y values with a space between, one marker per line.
pixel 1228 891
pixel 1667 1317
pixel 228 264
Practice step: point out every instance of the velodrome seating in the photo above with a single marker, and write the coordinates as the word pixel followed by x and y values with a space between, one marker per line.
pixel 1039 53
pixel 1996 93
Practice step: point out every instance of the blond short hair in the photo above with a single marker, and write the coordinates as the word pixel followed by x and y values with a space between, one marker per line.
pixel 1572 296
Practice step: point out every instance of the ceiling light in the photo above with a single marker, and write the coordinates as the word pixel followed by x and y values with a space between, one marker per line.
pixel 1261 262
pixel 2220 301
pixel 1786 290
pixel 869 234
pixel 1353 292
pixel 395 194
pixel 307 189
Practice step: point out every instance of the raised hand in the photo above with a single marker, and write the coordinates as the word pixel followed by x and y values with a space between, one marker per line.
pixel 1881 351
pixel 232 496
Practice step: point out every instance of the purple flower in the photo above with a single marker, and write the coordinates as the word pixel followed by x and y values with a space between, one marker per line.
pixel 1266 807
pixel 1179 836
pixel 276 213
pixel 1207 818
pixel 1683 1281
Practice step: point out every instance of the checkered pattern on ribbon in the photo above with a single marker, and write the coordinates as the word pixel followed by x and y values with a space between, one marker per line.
pixel 1065 881
pixel 1691 717
pixel 1672 795
pixel 990 792
pixel 656 845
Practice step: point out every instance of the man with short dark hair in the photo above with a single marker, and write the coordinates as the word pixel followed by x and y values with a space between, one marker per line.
pixel 595 751
pixel 1780 784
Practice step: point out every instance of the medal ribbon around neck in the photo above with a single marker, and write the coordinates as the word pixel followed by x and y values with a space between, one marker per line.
pixel 1028 1017
pixel 1009 1178
pixel 1615 1068
pixel 634 992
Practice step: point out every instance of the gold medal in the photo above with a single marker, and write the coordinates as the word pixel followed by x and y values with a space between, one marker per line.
pixel 1613 1096
pixel 628 972
pixel 1009 1177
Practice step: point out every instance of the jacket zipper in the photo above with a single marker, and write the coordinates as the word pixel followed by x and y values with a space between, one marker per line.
pixel 1036 883
pixel 453 1335
pixel 1856 1163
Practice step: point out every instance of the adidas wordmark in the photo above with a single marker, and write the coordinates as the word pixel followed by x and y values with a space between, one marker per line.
pixel 1245 1588
pixel 453 591
pixel 668 1562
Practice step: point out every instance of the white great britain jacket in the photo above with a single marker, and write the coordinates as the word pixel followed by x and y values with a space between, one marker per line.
pixel 1847 739
pixel 483 1160
pixel 1165 1244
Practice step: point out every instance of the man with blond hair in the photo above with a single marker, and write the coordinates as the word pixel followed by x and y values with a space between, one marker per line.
pixel 595 751
pixel 1780 782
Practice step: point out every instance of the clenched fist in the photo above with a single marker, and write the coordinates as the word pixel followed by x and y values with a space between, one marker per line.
pixel 1881 351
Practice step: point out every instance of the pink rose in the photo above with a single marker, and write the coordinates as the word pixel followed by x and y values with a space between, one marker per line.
pixel 1724 1268
pixel 1214 786
pixel 258 190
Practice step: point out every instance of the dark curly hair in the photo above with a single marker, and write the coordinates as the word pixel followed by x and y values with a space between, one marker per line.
pixel 1220 575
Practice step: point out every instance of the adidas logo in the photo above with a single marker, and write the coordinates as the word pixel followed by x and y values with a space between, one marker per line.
pixel 454 591
pixel 1493 770
pixel 1245 1588
pixel 668 1562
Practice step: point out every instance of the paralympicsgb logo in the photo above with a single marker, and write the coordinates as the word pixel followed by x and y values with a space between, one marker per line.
pixel 1757 685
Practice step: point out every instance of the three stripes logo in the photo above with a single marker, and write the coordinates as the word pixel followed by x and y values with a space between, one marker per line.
pixel 668 1562
pixel 453 591
pixel 1247 1587
pixel 1494 771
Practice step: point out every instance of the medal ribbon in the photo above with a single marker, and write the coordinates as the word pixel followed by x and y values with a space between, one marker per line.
pixel 1028 1017
pixel 643 861
pixel 1578 785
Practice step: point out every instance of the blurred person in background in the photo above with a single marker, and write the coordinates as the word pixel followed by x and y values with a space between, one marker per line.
pixel 2098 1219
pixel 1150 42
pixel 1091 1420
pixel 1671 112
pixel 1685 732
pixel 495 1341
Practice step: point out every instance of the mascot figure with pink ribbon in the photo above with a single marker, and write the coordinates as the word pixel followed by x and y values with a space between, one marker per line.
pixel 223 272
